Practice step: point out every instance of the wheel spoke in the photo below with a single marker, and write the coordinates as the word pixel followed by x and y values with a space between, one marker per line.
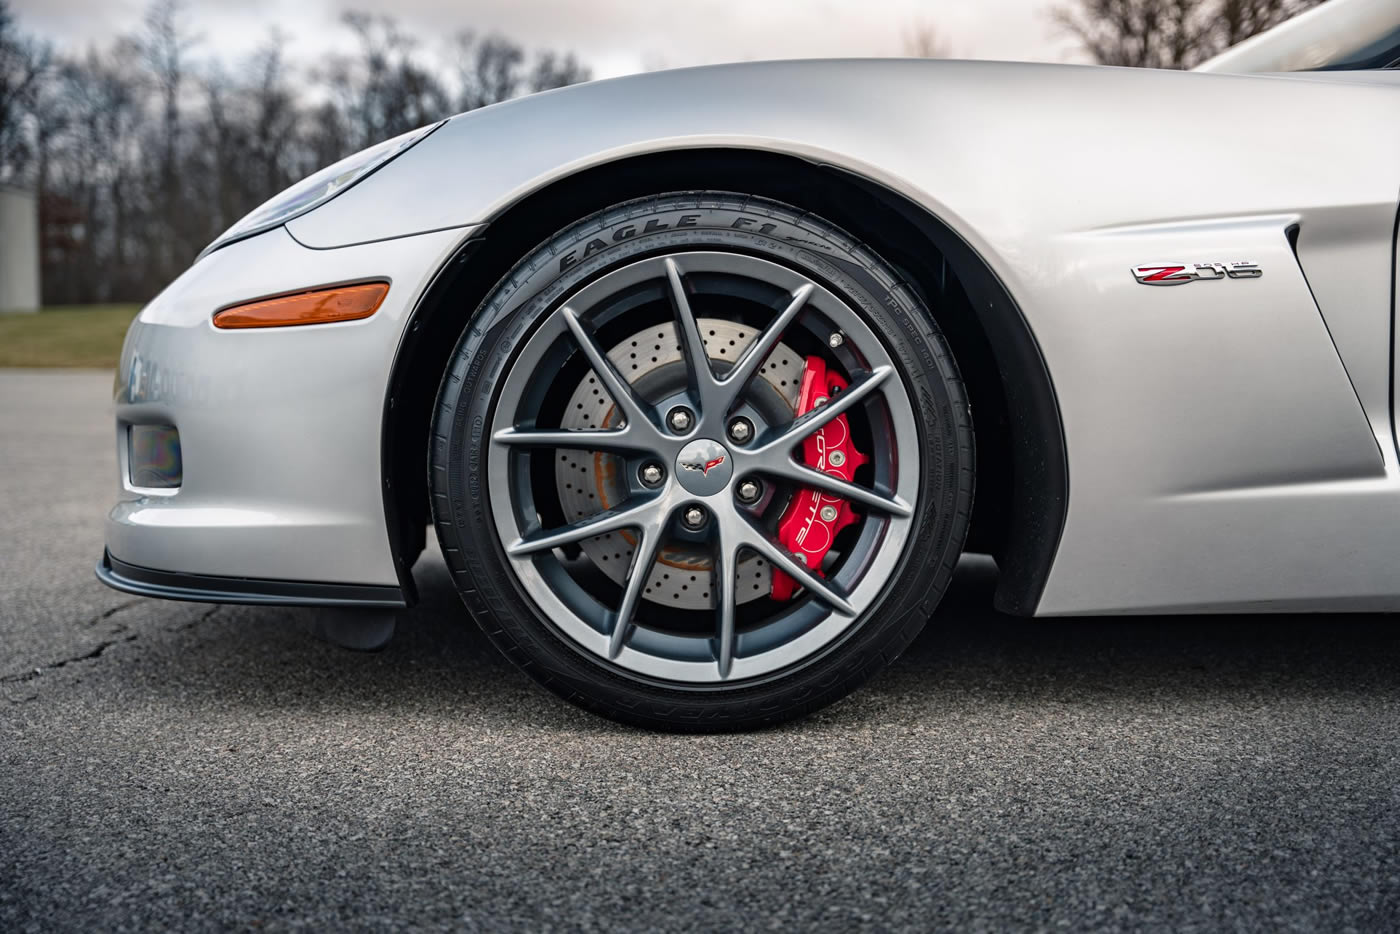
pixel 726 587
pixel 743 372
pixel 803 475
pixel 759 541
pixel 643 559
pixel 634 408
pixel 700 374
pixel 632 514
pixel 616 439
pixel 804 425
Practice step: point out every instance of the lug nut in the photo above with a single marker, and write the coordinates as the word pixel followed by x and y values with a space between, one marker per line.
pixel 749 491
pixel 652 474
pixel 835 340
pixel 740 430
pixel 828 513
pixel 680 419
pixel 693 517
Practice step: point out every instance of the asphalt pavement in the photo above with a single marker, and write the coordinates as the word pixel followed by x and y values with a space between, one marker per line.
pixel 178 766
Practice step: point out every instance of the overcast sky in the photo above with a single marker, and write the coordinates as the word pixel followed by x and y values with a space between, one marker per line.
pixel 613 36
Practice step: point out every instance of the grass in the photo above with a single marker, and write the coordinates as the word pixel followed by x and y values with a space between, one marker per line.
pixel 78 336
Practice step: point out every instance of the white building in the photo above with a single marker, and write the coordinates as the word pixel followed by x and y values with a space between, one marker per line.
pixel 19 249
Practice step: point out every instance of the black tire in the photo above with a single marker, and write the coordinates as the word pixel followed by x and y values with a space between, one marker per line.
pixel 535 289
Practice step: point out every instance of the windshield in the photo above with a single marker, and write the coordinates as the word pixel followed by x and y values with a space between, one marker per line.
pixel 1337 35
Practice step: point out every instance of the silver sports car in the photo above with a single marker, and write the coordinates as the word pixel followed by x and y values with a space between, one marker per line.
pixel 695 373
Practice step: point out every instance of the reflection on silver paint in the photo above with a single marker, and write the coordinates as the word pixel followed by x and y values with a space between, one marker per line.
pixel 151 380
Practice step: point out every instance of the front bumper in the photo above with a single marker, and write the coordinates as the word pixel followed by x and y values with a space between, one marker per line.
pixel 280 428
pixel 198 588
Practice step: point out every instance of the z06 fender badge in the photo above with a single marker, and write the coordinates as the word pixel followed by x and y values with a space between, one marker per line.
pixel 1182 273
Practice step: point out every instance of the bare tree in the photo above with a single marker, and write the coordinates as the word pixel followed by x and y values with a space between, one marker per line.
pixel 273 117
pixel 1169 33
pixel 388 91
pixel 95 204
pixel 924 40
pixel 144 151
pixel 1237 20
pixel 249 141
pixel 23 63
pixel 326 134
pixel 492 69
pixel 164 44
pixel 489 69
pixel 553 70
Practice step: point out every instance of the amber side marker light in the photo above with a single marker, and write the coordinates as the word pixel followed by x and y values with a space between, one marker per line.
pixel 323 306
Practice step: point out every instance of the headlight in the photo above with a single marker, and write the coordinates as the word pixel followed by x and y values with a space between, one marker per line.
pixel 316 190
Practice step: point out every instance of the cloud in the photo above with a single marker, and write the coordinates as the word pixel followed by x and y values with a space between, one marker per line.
pixel 614 36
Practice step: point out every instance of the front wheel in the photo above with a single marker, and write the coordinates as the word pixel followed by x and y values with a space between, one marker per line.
pixel 702 461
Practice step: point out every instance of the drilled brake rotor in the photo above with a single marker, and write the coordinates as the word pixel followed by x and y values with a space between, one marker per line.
pixel 589 482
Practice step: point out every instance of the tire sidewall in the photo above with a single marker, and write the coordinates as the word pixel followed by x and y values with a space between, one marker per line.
pixel 526 297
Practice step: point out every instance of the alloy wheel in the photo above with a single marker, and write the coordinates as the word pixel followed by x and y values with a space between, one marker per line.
pixel 647 442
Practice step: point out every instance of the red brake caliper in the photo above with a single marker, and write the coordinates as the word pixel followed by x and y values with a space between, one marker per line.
pixel 810 522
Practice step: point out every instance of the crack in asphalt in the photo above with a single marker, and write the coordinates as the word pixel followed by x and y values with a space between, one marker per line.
pixel 96 652
pixel 202 617
pixel 108 614
pixel 101 647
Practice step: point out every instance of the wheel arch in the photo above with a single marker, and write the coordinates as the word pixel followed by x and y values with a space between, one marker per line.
pixel 1022 472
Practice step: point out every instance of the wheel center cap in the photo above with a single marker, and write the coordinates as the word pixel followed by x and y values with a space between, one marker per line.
pixel 704 467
